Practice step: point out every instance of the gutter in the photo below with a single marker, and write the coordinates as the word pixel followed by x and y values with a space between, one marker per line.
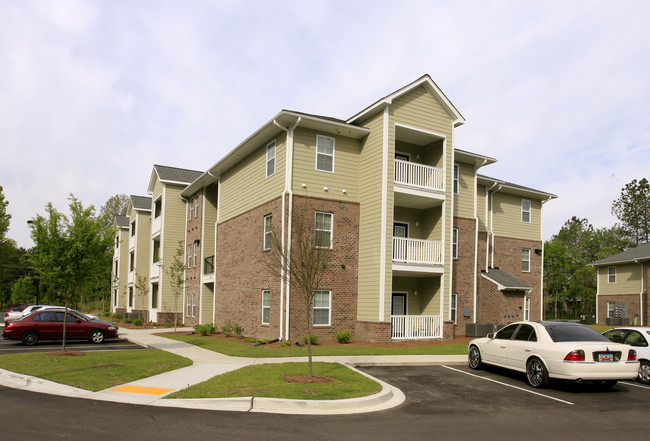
pixel 641 293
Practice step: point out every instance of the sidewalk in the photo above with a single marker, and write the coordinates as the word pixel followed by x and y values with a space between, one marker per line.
pixel 207 364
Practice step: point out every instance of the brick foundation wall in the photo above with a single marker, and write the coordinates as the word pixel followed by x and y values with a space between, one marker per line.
pixel 633 307
pixel 373 332
pixel 167 318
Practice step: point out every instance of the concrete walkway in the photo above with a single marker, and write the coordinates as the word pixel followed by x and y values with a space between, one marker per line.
pixel 207 364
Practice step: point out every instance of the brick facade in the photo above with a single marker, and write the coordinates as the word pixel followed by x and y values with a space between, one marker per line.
pixel 633 308
pixel 463 281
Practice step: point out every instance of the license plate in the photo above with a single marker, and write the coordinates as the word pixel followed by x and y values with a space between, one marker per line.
pixel 606 356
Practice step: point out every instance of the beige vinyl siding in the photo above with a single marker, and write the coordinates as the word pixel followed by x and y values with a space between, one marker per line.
pixel 464 202
pixel 245 186
pixel 422 294
pixel 370 166
pixel 423 224
pixel 157 189
pixel 143 256
pixel 628 279
pixel 207 303
pixel 346 167
pixel 173 231
pixel 421 110
pixel 481 205
pixel 123 267
pixel 507 217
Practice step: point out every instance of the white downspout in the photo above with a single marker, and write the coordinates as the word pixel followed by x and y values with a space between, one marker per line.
pixel 641 293
pixel 216 223
pixel 541 282
pixel 489 201
pixel 288 185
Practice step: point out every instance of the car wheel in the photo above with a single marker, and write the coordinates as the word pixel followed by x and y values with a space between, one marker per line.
pixel 644 373
pixel 96 336
pixel 536 373
pixel 30 338
pixel 474 358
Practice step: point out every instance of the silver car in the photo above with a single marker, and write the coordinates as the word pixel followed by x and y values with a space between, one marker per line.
pixel 639 338
pixel 15 315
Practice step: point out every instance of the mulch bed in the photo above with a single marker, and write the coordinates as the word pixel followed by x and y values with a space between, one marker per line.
pixel 66 354
pixel 306 379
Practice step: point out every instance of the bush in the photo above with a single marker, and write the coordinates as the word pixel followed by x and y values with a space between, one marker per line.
pixel 106 314
pixel 117 316
pixel 205 329
pixel 138 322
pixel 312 337
pixel 128 321
pixel 343 336
pixel 285 343
pixel 249 340
pixel 260 341
pixel 231 328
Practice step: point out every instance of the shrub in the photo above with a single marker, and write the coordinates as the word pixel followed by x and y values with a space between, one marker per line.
pixel 118 316
pixel 231 328
pixel 106 314
pixel 138 322
pixel 285 343
pixel 343 336
pixel 312 337
pixel 260 341
pixel 249 340
pixel 128 321
pixel 205 329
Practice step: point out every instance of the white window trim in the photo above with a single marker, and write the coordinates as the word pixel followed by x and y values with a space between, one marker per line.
pixel 453 307
pixel 456 180
pixel 268 147
pixel 194 305
pixel 266 307
pixel 331 230
pixel 191 209
pixel 333 153
pixel 454 243
pixel 329 307
pixel 270 232
pixel 609 275
pixel 527 308
pixel 196 207
pixel 525 260
pixel 189 256
pixel 529 211
pixel 196 253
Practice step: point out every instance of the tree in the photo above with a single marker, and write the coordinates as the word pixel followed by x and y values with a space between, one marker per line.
pixel 304 264
pixel 23 291
pixel 176 273
pixel 632 208
pixel 4 216
pixel 71 254
pixel 114 206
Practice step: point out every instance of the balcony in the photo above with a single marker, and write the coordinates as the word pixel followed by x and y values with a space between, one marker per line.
pixel 417 256
pixel 418 185
pixel 208 270
pixel 416 327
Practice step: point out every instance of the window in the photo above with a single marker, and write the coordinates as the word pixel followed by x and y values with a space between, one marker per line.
pixel 507 332
pixel 196 206
pixel 157 208
pixel 454 244
pixel 154 295
pixel 190 205
pixel 268 221
pixel 456 178
pixel 525 260
pixel 117 242
pixel 454 307
pixel 196 252
pixel 324 153
pixel 526 308
pixel 189 256
pixel 156 251
pixel 131 296
pixel 323 230
pixel 194 305
pixel 611 274
pixel 526 333
pixel 322 308
pixel 266 306
pixel 525 211
pixel 188 307
pixel 270 159
pixel 131 261
pixel 133 228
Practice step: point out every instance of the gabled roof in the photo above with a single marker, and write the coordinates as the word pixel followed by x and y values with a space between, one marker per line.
pixel 172 175
pixel 504 281
pixel 514 188
pixel 140 203
pixel 284 119
pixel 425 81
pixel 639 253
pixel 121 221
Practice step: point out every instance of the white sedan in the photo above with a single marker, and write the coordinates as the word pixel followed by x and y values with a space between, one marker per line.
pixel 545 350
pixel 15 315
pixel 639 338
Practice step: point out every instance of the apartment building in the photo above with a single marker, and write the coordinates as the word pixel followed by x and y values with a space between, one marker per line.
pixel 120 268
pixel 423 244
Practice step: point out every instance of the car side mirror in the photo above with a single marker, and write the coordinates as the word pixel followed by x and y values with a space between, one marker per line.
pixel 490 335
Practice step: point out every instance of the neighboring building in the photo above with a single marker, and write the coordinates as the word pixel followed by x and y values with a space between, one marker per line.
pixel 424 245
pixel 622 293
pixel 120 269
pixel 168 222
pixel 139 210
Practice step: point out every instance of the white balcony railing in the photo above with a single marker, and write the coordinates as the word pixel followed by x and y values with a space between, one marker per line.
pixel 428 252
pixel 416 327
pixel 419 175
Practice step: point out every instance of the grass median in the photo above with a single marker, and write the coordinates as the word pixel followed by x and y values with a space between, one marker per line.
pixel 93 371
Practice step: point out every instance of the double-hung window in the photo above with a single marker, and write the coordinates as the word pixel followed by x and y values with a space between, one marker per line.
pixel 266 307
pixel 196 207
pixel 454 244
pixel 611 274
pixel 267 231
pixel 189 256
pixel 525 211
pixel 323 230
pixel 526 308
pixel 456 178
pixel 196 252
pixel 324 153
pixel 454 307
pixel 525 260
pixel 270 159
pixel 322 307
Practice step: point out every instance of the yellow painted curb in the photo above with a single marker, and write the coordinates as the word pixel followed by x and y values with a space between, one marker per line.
pixel 142 390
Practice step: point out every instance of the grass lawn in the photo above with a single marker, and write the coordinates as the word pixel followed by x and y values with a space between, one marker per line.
pixel 239 348
pixel 96 370
pixel 270 380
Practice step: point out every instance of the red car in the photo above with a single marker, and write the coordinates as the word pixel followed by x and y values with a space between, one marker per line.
pixel 48 325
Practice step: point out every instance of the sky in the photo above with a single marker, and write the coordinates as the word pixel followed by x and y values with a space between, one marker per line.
pixel 94 93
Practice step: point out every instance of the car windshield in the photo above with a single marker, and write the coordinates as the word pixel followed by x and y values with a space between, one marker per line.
pixel 566 332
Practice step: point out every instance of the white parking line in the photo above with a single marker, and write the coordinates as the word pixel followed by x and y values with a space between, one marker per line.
pixel 509 385
pixel 641 386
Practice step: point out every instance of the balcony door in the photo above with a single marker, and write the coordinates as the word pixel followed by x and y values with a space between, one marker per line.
pixel 398 304
pixel 400 229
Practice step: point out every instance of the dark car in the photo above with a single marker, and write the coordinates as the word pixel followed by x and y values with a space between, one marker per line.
pixel 48 325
